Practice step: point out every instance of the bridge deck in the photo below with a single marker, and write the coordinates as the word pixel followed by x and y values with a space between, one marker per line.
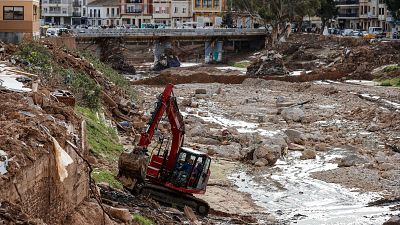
pixel 168 33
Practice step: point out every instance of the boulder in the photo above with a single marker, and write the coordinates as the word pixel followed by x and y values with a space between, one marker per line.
pixel 198 130
pixel 261 162
pixel 231 151
pixel 295 136
pixel 373 127
pixel 186 102
pixel 394 220
pixel 352 160
pixel 270 153
pixel 294 114
pixel 321 147
pixel 308 154
pixel 121 214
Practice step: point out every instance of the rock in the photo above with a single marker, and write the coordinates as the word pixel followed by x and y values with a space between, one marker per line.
pixel 321 147
pixel 386 166
pixel 211 151
pixel 294 114
pixel 203 114
pixel 296 147
pixel 198 130
pixel 352 160
pixel 394 220
pixel 270 153
pixel 186 102
pixel 205 141
pixel 121 214
pixel 373 127
pixel 194 104
pixel 200 91
pixel 231 151
pixel 295 136
pixel 261 162
pixel 308 154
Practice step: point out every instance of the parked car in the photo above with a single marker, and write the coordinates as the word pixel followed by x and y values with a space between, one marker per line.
pixel 347 32
pixel 356 33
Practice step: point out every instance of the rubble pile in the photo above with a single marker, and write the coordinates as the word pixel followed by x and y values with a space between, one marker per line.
pixel 13 214
pixel 269 64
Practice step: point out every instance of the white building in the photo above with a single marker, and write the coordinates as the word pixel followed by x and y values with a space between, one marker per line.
pixel 57 11
pixel 104 13
pixel 181 12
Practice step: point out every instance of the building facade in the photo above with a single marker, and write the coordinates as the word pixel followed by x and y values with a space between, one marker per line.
pixel 181 12
pixel 104 13
pixel 208 12
pixel 162 12
pixel 136 12
pixel 19 18
pixel 57 11
pixel 362 14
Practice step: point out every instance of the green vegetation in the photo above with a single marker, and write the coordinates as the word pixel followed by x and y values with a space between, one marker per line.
pixel 103 140
pixel 142 220
pixel 241 64
pixel 391 82
pixel 37 55
pixel 391 68
pixel 115 77
pixel 105 176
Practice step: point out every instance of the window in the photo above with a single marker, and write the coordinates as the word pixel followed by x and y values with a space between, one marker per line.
pixel 13 13
pixel 90 13
pixel 112 11
pixel 183 10
pixel 176 10
pixel 198 3
pixel 99 13
pixel 108 12
pixel 84 12
pixel 35 9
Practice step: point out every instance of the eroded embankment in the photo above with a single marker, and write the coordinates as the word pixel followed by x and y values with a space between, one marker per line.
pixel 201 77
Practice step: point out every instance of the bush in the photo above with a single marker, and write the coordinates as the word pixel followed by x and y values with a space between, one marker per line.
pixel 36 54
pixel 142 220
pixel 105 176
pixel 391 68
pixel 386 83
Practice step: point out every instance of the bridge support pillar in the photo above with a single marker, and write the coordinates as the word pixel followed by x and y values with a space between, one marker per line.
pixel 159 49
pixel 213 51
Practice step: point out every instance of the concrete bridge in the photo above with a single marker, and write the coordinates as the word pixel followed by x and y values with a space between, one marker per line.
pixel 162 39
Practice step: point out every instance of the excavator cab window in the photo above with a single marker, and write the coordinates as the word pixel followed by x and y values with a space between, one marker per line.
pixel 191 169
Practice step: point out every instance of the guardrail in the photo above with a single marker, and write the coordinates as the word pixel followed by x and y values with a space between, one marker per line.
pixel 166 32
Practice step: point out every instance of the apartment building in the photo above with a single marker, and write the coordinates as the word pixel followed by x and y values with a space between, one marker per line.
pixel 136 12
pixel 104 13
pixel 208 12
pixel 162 12
pixel 181 12
pixel 361 14
pixel 18 18
pixel 57 11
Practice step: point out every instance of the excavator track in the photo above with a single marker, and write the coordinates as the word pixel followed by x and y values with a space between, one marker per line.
pixel 176 199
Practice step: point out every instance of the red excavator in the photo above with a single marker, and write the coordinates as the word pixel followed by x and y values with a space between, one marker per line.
pixel 172 174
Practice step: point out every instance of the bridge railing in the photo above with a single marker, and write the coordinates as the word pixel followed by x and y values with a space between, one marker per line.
pixel 165 32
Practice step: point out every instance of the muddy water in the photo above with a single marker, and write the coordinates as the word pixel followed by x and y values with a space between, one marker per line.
pixel 288 191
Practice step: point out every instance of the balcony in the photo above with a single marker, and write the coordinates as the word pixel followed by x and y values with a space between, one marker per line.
pixel 134 10
pixel 134 1
pixel 76 4
pixel 348 2
pixel 348 15
pixel 54 1
pixel 76 14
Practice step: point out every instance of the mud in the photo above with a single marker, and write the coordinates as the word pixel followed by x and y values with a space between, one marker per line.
pixel 338 123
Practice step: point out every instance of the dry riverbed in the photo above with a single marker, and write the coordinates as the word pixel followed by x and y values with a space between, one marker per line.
pixel 337 153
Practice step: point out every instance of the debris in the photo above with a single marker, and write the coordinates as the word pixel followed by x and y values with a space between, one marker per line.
pixel 62 160
pixel 65 97
pixel 191 216
pixel 121 214
pixel 294 114
pixel 394 220
pixel 3 162
pixel 308 154
pixel 270 63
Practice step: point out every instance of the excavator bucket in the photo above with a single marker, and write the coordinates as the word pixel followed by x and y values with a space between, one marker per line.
pixel 132 168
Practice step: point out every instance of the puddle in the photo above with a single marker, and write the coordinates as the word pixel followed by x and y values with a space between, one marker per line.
pixel 288 191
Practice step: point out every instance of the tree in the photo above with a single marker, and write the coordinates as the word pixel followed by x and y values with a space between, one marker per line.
pixel 394 7
pixel 227 19
pixel 277 14
pixel 327 11
pixel 304 8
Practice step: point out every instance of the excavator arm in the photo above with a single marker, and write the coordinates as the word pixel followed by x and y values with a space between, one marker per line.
pixel 166 104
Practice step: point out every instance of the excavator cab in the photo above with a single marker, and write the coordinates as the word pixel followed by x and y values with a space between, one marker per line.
pixel 189 174
pixel 191 170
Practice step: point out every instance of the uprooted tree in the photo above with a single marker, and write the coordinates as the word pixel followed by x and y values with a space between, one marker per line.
pixel 277 14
